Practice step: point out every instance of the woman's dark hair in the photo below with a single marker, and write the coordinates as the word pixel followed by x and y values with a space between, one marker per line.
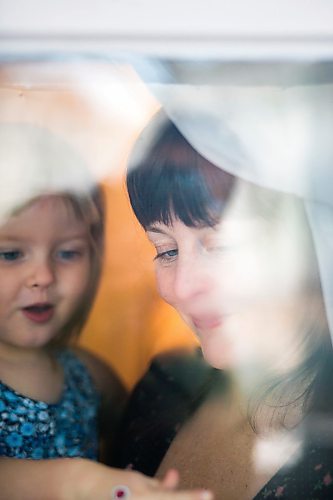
pixel 174 180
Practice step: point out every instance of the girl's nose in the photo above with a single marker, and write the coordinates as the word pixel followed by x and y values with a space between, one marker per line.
pixel 41 274
pixel 192 278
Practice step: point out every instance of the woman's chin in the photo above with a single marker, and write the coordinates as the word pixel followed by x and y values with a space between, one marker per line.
pixel 218 357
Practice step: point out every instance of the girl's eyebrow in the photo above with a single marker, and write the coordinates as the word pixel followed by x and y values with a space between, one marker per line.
pixel 9 238
pixel 75 236
pixel 13 238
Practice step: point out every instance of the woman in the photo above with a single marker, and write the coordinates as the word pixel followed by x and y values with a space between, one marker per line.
pixel 238 263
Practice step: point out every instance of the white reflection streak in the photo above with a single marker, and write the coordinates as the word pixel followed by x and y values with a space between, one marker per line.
pixel 122 100
pixel 118 94
pixel 278 140
pixel 270 453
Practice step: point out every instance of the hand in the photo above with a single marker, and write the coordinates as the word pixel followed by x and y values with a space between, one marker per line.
pixel 164 489
pixel 98 481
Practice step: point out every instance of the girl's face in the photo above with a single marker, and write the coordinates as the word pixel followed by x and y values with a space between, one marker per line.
pixel 44 272
pixel 242 285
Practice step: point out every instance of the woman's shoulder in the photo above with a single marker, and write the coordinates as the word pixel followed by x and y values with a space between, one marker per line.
pixel 174 386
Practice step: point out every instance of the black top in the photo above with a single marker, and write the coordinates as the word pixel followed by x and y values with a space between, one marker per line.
pixel 172 389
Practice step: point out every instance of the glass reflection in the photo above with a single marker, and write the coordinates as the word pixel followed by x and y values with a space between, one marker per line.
pixel 236 200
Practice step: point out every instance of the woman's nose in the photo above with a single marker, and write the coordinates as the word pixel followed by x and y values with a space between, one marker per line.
pixel 192 278
pixel 41 274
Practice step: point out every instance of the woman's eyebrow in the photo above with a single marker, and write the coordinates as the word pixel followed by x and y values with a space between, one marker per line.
pixel 154 229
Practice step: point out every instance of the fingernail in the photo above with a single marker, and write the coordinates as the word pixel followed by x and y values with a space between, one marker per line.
pixel 206 495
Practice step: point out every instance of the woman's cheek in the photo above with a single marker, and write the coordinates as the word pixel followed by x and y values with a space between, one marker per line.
pixel 164 285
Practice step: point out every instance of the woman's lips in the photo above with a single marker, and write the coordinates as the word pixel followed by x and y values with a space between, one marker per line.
pixel 39 313
pixel 207 322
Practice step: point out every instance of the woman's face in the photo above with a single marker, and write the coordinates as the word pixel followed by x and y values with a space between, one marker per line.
pixel 243 285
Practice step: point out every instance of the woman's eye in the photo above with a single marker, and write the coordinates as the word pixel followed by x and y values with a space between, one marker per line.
pixel 219 247
pixel 10 255
pixel 167 256
pixel 222 243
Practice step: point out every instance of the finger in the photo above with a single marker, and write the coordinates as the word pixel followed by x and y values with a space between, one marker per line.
pixel 195 495
pixel 186 495
pixel 153 482
pixel 170 480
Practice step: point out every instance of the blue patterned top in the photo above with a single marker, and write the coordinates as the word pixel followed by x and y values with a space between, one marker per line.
pixel 34 429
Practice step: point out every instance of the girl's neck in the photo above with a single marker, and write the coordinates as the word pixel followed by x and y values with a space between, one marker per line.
pixel 33 373
pixel 18 355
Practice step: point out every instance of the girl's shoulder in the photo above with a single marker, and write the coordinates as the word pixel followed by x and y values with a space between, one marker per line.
pixel 107 382
pixel 113 399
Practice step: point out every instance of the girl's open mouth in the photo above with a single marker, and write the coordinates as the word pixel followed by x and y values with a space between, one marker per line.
pixel 39 313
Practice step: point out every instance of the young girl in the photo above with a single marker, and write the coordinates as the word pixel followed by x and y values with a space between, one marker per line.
pixel 238 263
pixel 59 405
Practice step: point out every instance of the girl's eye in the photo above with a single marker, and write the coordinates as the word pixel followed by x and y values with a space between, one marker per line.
pixel 69 255
pixel 167 256
pixel 10 255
